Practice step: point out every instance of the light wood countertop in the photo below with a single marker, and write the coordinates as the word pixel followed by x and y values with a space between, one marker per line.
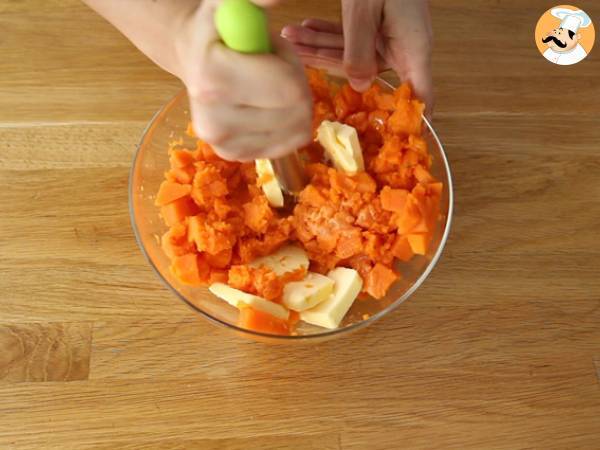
pixel 499 349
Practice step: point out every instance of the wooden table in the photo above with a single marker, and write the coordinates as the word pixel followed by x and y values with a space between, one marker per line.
pixel 500 349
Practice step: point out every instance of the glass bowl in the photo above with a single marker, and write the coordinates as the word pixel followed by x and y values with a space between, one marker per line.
pixel 147 172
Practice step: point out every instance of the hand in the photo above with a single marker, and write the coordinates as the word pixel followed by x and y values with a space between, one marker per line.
pixel 246 106
pixel 376 35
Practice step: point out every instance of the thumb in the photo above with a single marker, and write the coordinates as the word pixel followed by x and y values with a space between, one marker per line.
pixel 361 20
pixel 420 78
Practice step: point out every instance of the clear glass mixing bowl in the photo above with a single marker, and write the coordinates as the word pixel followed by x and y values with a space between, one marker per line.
pixel 150 163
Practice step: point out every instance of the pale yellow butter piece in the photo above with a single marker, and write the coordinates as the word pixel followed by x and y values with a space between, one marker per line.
pixel 238 298
pixel 342 146
pixel 287 259
pixel 330 312
pixel 271 188
pixel 307 293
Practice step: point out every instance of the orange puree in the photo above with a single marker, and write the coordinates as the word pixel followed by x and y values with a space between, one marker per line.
pixel 219 220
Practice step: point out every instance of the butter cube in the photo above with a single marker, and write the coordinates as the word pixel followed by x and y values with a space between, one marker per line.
pixel 342 146
pixel 330 312
pixel 238 298
pixel 312 290
pixel 287 259
pixel 270 188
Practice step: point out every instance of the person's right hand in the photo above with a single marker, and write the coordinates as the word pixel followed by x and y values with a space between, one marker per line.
pixel 245 106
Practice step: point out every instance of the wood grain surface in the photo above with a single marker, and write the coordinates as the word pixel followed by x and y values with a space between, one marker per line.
pixel 500 349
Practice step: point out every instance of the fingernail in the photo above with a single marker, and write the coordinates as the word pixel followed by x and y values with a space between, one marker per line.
pixel 360 84
pixel 285 32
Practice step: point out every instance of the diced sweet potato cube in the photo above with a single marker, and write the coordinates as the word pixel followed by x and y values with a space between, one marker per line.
pixel 393 200
pixel 170 191
pixel 181 158
pixel 419 242
pixel 402 249
pixel 178 210
pixel 379 280
pixel 262 322
pixel 189 269
pixel 407 118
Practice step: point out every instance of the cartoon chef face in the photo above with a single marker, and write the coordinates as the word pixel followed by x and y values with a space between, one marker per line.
pixel 561 40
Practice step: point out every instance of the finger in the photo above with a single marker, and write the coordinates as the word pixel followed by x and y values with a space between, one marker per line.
pixel 361 22
pixel 323 25
pixel 410 47
pixel 202 29
pixel 420 78
pixel 306 36
pixel 264 81
pixel 223 75
pixel 274 142
pixel 332 54
pixel 271 144
pixel 285 50
pixel 323 58
pixel 244 148
pixel 415 67
pixel 330 59
pixel 287 144
pixel 216 123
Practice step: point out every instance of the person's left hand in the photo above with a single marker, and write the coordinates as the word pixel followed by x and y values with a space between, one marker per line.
pixel 376 35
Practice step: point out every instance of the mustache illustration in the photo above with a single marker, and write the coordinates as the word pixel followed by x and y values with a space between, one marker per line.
pixel 556 41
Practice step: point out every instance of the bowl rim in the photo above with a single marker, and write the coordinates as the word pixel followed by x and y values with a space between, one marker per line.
pixel 327 333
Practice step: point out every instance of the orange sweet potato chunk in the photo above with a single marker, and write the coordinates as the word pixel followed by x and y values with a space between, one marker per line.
pixel 320 87
pixel 350 243
pixel 240 277
pixel 174 242
pixel 402 93
pixel 262 281
pixel 258 214
pixel 379 280
pixel 402 249
pixel 364 183
pixel 407 118
pixel 411 215
pixel 377 120
pixel 267 284
pixel 218 276
pixel 184 175
pixel 346 101
pixel 358 120
pixel 312 196
pixel 422 174
pixel 369 97
pixel 190 269
pixel 180 158
pixel 208 185
pixel 210 237
pixel 176 211
pixel 419 243
pixel 170 191
pixel 220 260
pixel 263 322
pixel 393 200
pixel 385 102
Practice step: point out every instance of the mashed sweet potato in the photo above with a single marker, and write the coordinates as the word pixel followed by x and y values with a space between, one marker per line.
pixel 219 219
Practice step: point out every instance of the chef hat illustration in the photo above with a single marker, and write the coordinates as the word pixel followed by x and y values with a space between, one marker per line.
pixel 571 19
